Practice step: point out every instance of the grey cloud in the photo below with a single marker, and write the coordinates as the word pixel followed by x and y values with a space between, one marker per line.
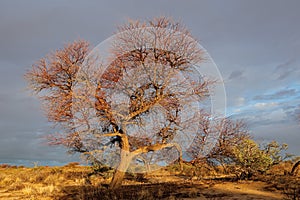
pixel 278 95
pixel 257 118
pixel 284 133
pixel 295 113
pixel 265 127
pixel 285 64
pixel 286 69
pixel 236 74
pixel 282 114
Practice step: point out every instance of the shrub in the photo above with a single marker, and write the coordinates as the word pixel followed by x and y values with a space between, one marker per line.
pixel 250 158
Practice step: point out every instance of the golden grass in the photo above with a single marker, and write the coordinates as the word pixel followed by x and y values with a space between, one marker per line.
pixel 76 182
pixel 39 182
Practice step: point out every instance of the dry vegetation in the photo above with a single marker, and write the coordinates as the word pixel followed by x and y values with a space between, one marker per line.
pixel 78 182
pixel 39 182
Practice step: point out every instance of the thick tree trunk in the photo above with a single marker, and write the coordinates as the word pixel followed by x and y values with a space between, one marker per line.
pixel 117 179
pixel 120 172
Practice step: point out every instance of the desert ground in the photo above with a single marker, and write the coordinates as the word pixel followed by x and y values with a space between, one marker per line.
pixel 78 182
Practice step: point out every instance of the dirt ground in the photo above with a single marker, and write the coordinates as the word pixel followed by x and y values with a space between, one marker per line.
pixel 246 190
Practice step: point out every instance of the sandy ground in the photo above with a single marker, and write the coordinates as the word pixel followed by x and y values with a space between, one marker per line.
pixel 246 190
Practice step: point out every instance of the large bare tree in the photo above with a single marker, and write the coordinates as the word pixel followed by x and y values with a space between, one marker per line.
pixel 144 102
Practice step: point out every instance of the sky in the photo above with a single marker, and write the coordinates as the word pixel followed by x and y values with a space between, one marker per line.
pixel 254 43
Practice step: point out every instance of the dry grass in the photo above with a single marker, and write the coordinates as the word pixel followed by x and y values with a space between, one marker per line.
pixel 39 182
pixel 75 182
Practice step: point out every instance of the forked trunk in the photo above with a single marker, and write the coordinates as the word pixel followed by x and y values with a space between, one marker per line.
pixel 119 174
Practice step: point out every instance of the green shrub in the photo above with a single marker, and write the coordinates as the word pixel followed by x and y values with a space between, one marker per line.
pixel 250 158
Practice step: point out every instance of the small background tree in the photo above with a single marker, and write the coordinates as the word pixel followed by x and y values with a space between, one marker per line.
pixel 251 158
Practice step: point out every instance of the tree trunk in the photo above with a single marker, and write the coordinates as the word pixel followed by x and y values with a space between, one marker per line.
pixel 295 167
pixel 117 179
pixel 119 174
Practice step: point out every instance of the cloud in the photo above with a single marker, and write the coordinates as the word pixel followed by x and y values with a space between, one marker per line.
pixel 286 69
pixel 240 101
pixel 294 112
pixel 264 105
pixel 236 74
pixel 278 95
pixel 285 64
pixel 287 132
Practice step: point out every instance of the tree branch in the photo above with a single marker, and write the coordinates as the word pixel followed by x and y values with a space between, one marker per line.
pixel 110 135
pixel 156 147
pixel 143 109
pixel 124 144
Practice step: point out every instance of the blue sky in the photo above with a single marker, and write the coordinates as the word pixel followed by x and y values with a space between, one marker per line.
pixel 255 44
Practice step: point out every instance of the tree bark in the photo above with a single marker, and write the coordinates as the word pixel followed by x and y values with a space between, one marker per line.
pixel 295 167
pixel 120 172
pixel 117 179
pixel 125 160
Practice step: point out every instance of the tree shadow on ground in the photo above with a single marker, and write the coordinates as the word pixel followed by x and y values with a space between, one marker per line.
pixel 140 191
pixel 167 190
